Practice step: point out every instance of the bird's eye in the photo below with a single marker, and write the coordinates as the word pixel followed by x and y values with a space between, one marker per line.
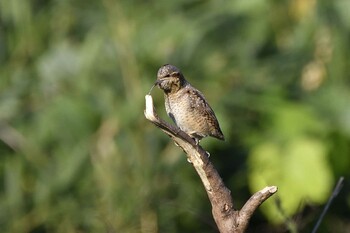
pixel 175 74
pixel 167 76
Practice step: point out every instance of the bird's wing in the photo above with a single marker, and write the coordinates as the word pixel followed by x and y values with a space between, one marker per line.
pixel 198 103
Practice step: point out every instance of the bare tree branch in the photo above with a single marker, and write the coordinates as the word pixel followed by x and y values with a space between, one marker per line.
pixel 226 217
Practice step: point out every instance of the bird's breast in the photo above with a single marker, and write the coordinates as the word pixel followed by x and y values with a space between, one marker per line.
pixel 185 116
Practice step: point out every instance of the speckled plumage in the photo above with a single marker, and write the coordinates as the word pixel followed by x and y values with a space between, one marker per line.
pixel 186 105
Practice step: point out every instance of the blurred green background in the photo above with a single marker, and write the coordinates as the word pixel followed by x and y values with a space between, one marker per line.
pixel 77 154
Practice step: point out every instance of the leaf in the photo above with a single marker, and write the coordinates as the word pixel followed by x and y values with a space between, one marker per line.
pixel 299 168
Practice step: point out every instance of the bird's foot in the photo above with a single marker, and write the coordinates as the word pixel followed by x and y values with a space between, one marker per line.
pixel 197 141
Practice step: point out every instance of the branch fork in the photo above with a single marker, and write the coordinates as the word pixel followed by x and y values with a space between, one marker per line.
pixel 227 219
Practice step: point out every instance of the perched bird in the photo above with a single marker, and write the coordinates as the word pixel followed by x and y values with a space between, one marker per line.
pixel 186 105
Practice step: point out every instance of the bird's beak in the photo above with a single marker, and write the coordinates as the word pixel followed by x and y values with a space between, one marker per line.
pixel 155 84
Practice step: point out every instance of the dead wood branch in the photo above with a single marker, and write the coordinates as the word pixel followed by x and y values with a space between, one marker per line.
pixel 227 219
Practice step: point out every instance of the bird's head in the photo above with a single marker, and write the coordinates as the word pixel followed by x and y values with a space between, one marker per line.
pixel 170 79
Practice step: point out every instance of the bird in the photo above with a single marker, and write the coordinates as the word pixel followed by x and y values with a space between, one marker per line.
pixel 186 105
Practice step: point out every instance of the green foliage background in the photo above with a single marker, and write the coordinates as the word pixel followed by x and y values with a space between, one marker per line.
pixel 77 154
